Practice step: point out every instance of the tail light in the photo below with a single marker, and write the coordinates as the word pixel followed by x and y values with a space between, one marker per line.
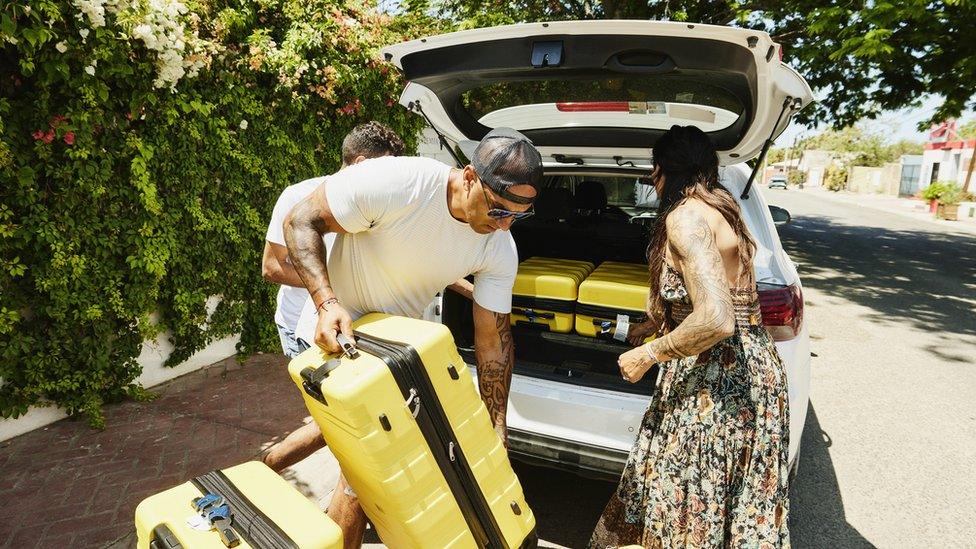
pixel 782 310
pixel 594 106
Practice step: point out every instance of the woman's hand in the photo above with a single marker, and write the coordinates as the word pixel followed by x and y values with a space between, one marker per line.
pixel 634 364
pixel 639 332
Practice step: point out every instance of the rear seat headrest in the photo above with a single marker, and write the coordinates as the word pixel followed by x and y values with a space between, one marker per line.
pixel 590 195
pixel 553 204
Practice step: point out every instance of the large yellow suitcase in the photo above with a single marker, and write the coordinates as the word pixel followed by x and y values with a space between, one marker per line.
pixel 613 289
pixel 413 438
pixel 268 513
pixel 545 292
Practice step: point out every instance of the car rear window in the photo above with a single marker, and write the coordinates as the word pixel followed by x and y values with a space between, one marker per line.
pixel 653 102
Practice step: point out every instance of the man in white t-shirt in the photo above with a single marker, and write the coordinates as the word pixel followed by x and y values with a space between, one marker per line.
pixel 407 228
pixel 368 140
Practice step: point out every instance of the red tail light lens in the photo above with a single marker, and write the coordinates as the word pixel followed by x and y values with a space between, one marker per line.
pixel 594 106
pixel 782 310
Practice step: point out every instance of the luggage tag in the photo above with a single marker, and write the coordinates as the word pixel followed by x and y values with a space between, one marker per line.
pixel 622 328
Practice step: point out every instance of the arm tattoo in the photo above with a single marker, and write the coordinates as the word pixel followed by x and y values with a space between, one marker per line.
pixel 495 362
pixel 712 317
pixel 304 228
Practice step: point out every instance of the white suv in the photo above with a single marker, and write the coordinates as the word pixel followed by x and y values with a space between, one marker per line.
pixel 594 96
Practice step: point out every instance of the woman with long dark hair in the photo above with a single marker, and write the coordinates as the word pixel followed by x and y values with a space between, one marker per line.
pixel 710 465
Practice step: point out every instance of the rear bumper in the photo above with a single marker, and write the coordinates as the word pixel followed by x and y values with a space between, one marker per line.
pixel 546 451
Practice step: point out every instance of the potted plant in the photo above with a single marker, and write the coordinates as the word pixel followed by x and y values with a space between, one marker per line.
pixel 932 194
pixel 949 201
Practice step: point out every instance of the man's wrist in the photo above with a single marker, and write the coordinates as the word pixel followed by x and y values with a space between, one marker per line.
pixel 325 304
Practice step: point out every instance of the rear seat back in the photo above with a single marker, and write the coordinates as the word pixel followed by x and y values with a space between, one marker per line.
pixel 610 235
pixel 547 233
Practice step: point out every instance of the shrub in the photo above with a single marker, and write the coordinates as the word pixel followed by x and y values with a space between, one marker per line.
pixel 835 179
pixel 951 194
pixel 933 191
pixel 142 146
pixel 796 177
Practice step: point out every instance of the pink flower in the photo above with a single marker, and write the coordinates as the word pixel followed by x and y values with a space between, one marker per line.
pixel 58 120
pixel 37 135
pixel 69 138
pixel 389 102
pixel 48 137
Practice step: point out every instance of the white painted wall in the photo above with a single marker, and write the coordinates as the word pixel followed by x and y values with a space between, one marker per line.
pixel 153 354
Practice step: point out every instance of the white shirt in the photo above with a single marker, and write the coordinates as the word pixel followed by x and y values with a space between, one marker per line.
pixel 404 245
pixel 291 299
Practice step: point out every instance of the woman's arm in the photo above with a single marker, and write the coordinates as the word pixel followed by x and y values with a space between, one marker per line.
pixel 713 317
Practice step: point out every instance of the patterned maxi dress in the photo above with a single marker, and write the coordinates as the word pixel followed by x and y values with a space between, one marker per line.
pixel 710 466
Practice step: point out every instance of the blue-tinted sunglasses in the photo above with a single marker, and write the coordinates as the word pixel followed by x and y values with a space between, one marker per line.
pixel 495 211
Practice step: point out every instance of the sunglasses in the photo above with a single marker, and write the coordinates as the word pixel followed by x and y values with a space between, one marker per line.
pixel 495 211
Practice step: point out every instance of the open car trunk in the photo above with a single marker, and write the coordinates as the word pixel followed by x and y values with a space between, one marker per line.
pixel 592 218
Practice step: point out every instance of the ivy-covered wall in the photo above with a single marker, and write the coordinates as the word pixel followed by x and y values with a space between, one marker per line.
pixel 142 146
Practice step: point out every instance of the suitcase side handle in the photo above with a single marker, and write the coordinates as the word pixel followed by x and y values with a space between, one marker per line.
pixel 163 538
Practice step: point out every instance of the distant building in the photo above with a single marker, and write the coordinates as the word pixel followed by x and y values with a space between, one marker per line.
pixel 815 163
pixel 947 161
pixel 911 174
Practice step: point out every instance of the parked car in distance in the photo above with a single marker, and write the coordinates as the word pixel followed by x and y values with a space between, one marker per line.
pixel 777 182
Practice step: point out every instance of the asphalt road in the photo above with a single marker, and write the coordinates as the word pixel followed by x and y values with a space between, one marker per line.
pixel 888 454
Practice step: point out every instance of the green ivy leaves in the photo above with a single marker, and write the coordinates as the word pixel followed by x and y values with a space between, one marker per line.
pixel 127 210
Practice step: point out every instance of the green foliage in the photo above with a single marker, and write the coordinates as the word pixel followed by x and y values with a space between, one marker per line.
pixel 861 57
pixel 135 186
pixel 933 191
pixel 796 177
pixel 967 130
pixel 946 192
pixel 835 179
pixel 951 195
pixel 857 147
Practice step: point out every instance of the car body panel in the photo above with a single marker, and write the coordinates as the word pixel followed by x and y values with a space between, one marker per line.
pixel 774 90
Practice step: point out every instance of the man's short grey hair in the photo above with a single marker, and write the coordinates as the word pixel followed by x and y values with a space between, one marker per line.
pixel 371 140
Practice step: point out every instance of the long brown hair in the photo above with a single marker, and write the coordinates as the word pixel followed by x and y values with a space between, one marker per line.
pixel 688 161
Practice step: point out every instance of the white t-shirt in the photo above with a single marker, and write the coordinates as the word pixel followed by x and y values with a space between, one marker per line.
pixel 291 299
pixel 404 245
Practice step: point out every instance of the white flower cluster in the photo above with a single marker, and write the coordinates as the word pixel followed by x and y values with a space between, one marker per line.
pixel 94 9
pixel 160 25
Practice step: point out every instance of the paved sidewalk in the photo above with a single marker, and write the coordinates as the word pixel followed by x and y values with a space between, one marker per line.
pixel 905 207
pixel 68 485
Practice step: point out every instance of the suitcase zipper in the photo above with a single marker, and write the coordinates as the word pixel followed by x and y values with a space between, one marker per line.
pixel 259 531
pixel 415 385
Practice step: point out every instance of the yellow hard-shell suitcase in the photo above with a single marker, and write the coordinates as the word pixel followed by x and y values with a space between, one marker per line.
pixel 545 292
pixel 268 513
pixel 612 289
pixel 413 438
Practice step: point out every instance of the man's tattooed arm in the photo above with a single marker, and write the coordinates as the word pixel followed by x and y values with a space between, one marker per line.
pixel 495 354
pixel 713 317
pixel 308 221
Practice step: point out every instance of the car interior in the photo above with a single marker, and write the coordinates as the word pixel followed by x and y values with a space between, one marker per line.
pixel 582 217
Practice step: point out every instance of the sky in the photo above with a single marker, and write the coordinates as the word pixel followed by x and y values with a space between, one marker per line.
pixel 897 125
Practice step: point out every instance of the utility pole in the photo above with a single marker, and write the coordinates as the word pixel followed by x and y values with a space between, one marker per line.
pixel 969 173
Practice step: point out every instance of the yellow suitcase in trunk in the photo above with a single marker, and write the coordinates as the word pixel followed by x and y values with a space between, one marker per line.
pixel 414 440
pixel 545 292
pixel 612 289
pixel 268 513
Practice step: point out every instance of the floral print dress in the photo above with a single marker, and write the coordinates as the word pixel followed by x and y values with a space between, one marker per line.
pixel 710 466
